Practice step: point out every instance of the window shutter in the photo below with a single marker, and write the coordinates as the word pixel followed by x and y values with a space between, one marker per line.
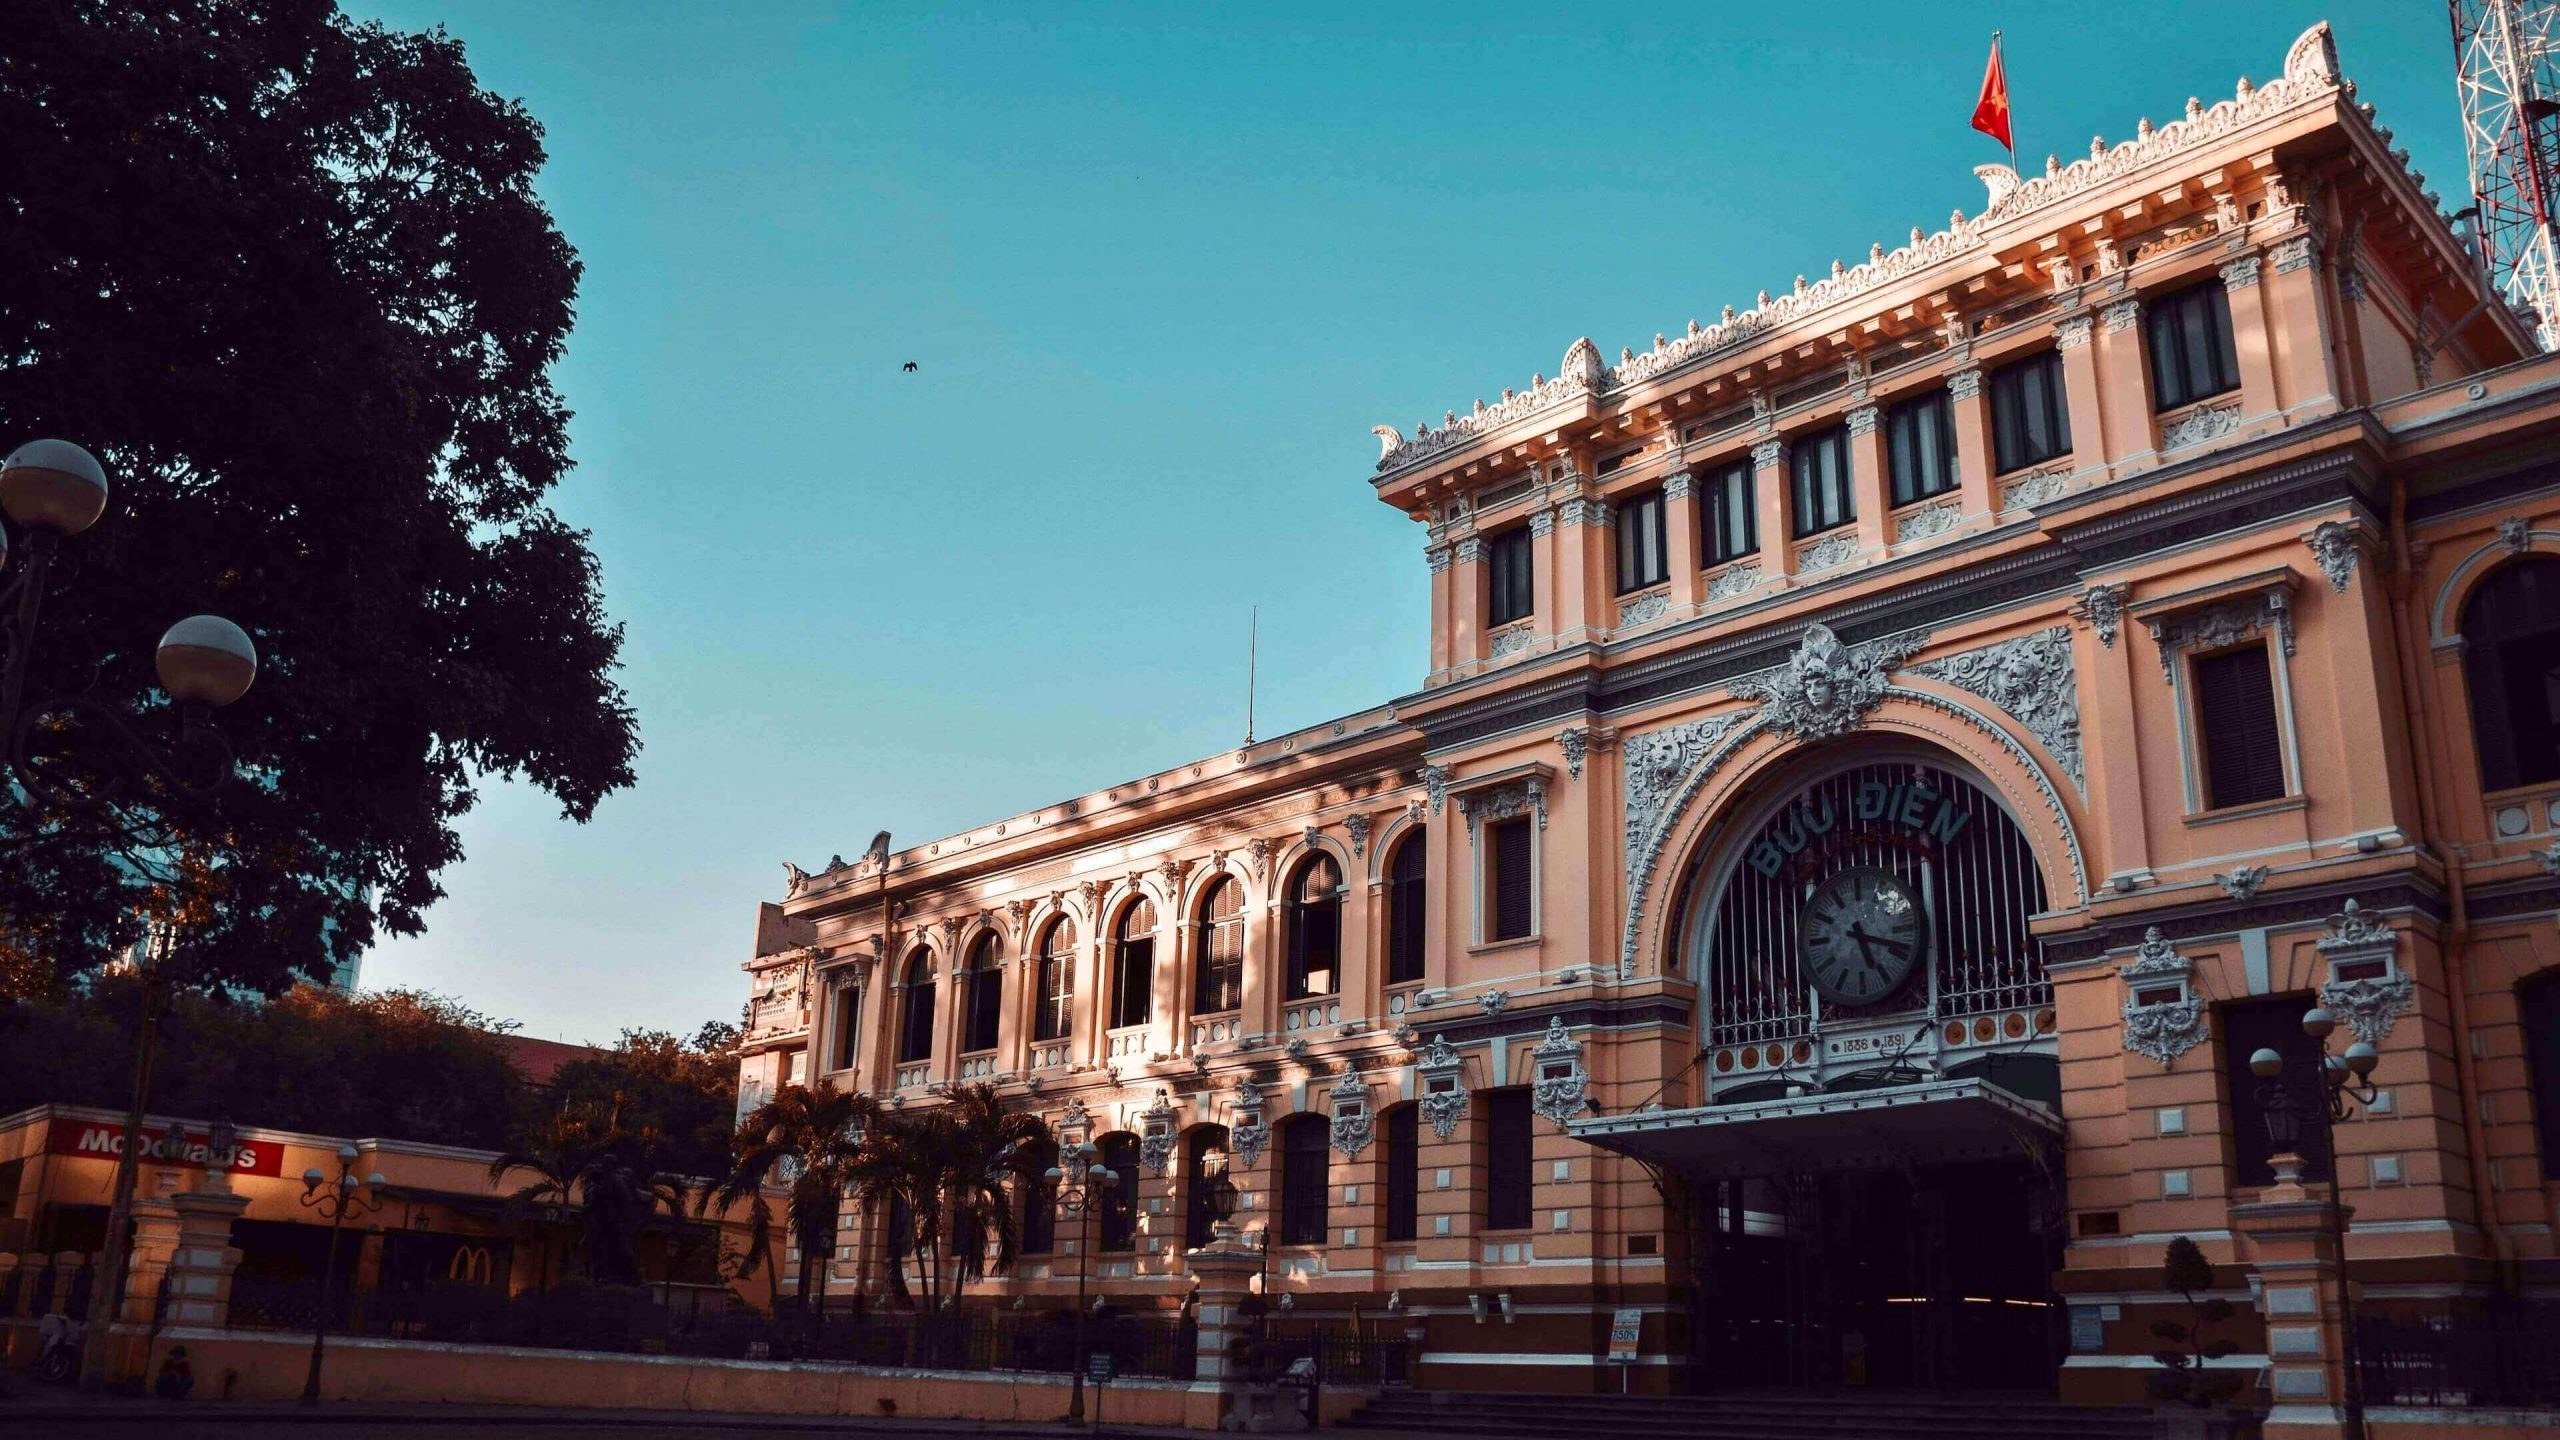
pixel 1508 1174
pixel 1511 879
pixel 2236 714
pixel 1404 1172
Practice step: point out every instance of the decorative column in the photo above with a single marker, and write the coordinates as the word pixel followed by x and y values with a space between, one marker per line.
pixel 2107 743
pixel 1358 1209
pixel 1680 522
pixel 1576 523
pixel 2357 628
pixel 1466 604
pixel 2298 322
pixel 1546 574
pixel 1093 947
pixel 2287 1237
pixel 2082 393
pixel 1970 401
pixel 1443 607
pixel 1870 487
pixel 1769 481
pixel 1224 1270
pixel 2249 340
pixel 2124 389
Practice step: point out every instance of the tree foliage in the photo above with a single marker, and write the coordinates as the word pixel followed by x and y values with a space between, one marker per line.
pixel 396 1063
pixel 683 1094
pixel 2184 1376
pixel 288 277
pixel 587 1156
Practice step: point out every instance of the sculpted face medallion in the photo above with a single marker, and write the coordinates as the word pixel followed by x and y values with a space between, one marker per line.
pixel 1861 936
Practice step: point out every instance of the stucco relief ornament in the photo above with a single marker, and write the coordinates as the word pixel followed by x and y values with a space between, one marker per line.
pixel 1435 783
pixel 2036 489
pixel 1575 742
pixel 1924 524
pixel 2335 543
pixel 1826 688
pixel 2243 881
pixel 1645 609
pixel 2103 607
pixel 1827 553
pixel 2212 422
pixel 1732 581
pixel 2373 1004
pixel 794 880
pixel 1075 1117
pixel 1444 1092
pixel 2550 858
pixel 2031 678
pixel 1562 1088
pixel 1357 827
pixel 2516 534
pixel 1494 1000
pixel 2163 1030
pixel 1155 1137
pixel 1296 1049
pixel 1260 848
pixel 1352 1122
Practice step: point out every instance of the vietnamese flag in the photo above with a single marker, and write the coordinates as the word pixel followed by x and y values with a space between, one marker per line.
pixel 1991 112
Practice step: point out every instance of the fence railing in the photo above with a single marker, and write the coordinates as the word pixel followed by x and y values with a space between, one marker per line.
pixel 633 1321
pixel 1344 1354
pixel 2504 1356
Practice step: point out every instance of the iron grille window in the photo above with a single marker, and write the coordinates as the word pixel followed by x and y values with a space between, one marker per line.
pixel 1511 887
pixel 2236 722
pixel 1728 514
pixel 2273 1023
pixel 1920 447
pixel 1405 877
pixel 985 998
pixel 1818 465
pixel 2030 416
pixel 1305 1144
pixel 1404 1172
pixel 1507 1160
pixel 2189 333
pixel 1218 980
pixel 1315 930
pixel 1055 1020
pixel 1133 966
pixel 1509 577
pixel 2511 657
pixel 1198 1175
pixel 1039 1203
pixel 2538 1005
pixel 915 1026
pixel 1118 1221
pixel 1644 554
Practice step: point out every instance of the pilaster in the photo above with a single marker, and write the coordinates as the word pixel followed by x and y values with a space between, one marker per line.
pixel 2091 427
pixel 1443 606
pixel 1680 522
pixel 2113 759
pixel 2299 323
pixel 1769 484
pixel 2249 341
pixel 2288 1239
pixel 1870 488
pixel 1466 602
pixel 1970 400
pixel 2124 388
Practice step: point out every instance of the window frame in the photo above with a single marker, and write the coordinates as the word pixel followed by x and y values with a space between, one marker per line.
pixel 1217 950
pixel 1723 493
pixel 1054 998
pixel 1116 1228
pixel 982 1015
pixel 1305 1197
pixel 1634 521
pixel 1123 966
pixel 1510 1202
pixel 1837 482
pixel 2495 650
pixel 2009 393
pixel 1304 921
pixel 1492 873
pixel 2169 342
pixel 916 1009
pixel 1408 908
pixel 1510 576
pixel 1918 424
pixel 1403 1218
pixel 2210 758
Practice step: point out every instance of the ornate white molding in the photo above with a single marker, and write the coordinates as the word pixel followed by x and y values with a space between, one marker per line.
pixel 2240 274
pixel 1542 522
pixel 1502 802
pixel 1444 1091
pixel 1769 455
pixel 2302 252
pixel 1511 641
pixel 2515 534
pixel 1827 553
pixel 1575 742
pixel 1862 421
pixel 1156 1133
pixel 1644 609
pixel 2336 544
pixel 1965 384
pixel 2030 677
pixel 2242 881
pixel 2205 422
pixel 1435 784
pixel 2103 607
pixel 2122 315
pixel 1353 1124
pixel 1246 1132
pixel 2071 332
pixel 2228 622
pixel 1356 826
pixel 1560 1088
pixel 2162 1029
pixel 1928 521
pixel 1733 580
pixel 1437 557
pixel 1826 688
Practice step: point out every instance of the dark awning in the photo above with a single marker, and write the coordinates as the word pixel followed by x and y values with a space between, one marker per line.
pixel 1932 1121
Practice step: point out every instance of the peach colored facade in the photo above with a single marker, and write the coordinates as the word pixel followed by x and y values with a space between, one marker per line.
pixel 2037 644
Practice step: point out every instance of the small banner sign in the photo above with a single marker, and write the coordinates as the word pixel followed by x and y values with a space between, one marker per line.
pixel 1624 1329
pixel 100 1140
pixel 1098 1367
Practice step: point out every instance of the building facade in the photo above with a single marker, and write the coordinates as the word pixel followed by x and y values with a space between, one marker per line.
pixel 1887 759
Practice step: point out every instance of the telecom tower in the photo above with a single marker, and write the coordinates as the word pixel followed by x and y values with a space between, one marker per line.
pixel 2507 63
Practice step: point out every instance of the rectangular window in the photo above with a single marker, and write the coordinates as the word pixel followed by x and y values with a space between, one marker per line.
pixel 1304 1141
pixel 1509 577
pixel 1507 1164
pixel 1920 447
pixel 2189 333
pixel 1818 466
pixel 2236 728
pixel 1404 1172
pixel 1133 999
pixel 1118 1221
pixel 2274 1023
pixel 1509 885
pixel 1644 556
pixel 1728 514
pixel 2538 1006
pixel 2030 417
pixel 848 1023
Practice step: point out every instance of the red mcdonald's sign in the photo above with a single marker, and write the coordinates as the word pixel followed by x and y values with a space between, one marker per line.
pixel 193 1150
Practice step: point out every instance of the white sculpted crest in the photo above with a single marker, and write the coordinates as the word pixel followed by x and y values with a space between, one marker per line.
pixel 1826 688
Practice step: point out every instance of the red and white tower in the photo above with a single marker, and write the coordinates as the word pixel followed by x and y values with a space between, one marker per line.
pixel 2507 63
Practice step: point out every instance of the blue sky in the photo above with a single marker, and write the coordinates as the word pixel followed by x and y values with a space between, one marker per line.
pixel 1160 268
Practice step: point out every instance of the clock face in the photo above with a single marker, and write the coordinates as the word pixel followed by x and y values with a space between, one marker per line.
pixel 1861 936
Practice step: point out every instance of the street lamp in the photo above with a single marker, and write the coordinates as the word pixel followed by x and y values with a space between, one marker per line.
pixel 2344 1085
pixel 1079 1179
pixel 332 1201
pixel 53 490
pixel 1222 1195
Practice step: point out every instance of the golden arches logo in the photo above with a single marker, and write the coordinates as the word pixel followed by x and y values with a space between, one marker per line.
pixel 473 1265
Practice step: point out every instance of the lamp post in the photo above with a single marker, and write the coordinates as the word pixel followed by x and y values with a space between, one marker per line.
pixel 2343 1086
pixel 332 1200
pixel 52 490
pixel 1079 1179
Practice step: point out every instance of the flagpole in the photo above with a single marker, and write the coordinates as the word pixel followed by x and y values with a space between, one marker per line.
pixel 2007 95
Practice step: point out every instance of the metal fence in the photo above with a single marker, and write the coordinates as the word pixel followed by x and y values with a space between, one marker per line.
pixel 2505 1356
pixel 1344 1354
pixel 633 1321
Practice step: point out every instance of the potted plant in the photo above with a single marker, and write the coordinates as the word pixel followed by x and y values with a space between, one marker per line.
pixel 2196 1396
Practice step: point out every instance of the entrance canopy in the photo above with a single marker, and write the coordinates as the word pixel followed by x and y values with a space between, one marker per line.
pixel 1928 1122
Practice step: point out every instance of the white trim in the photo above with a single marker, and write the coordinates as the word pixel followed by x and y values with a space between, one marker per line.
pixel 2145 1362
pixel 1464 1357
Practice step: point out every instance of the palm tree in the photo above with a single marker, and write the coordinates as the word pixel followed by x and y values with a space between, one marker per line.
pixel 804 1138
pixel 989 1144
pixel 582 1156
pixel 556 1151
pixel 950 1163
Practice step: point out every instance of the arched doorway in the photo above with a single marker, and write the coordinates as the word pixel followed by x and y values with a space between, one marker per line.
pixel 1875 1183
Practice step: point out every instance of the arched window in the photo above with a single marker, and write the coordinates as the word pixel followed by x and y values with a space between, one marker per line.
pixel 1204 1159
pixel 1306 1147
pixel 1218 968
pixel 915 1010
pixel 2511 653
pixel 1133 966
pixel 985 997
pixel 1315 929
pixel 1119 1203
pixel 1404 908
pixel 1056 983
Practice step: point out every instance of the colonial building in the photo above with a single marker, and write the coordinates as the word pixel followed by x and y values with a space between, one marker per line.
pixel 1888 757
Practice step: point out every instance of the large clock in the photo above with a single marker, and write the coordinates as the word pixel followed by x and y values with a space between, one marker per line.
pixel 1861 934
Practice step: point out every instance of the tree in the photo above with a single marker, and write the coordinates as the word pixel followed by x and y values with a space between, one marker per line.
pixel 584 1156
pixel 288 277
pixel 803 1139
pixel 950 1164
pixel 686 1094
pixel 2183 1376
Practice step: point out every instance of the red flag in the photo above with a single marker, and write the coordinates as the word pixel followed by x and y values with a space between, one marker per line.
pixel 1991 112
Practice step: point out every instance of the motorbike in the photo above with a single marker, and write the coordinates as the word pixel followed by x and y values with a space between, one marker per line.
pixel 58 1347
